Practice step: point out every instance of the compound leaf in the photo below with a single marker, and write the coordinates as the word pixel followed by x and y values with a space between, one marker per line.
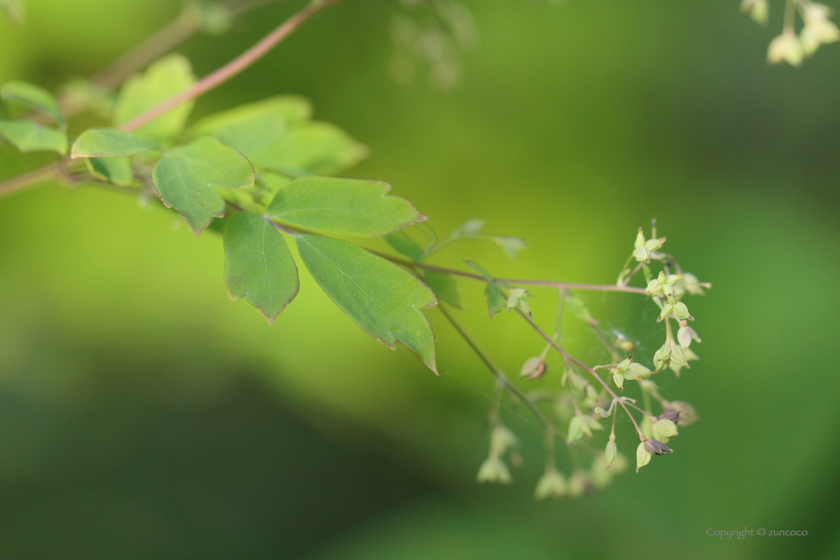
pixel 186 179
pixel 163 79
pixel 28 136
pixel 34 97
pixel 342 206
pixel 379 296
pixel 111 142
pixel 258 264
pixel 236 127
pixel 315 148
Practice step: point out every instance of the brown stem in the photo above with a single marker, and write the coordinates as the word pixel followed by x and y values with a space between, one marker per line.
pixel 514 281
pixel 30 179
pixel 233 67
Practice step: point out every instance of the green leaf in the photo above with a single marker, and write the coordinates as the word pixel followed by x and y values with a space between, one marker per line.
pixel 496 300
pixel 480 269
pixel 186 179
pixel 163 79
pixel 445 287
pixel 275 134
pixel 342 207
pixel 379 296
pixel 315 148
pixel 402 243
pixel 245 128
pixel 258 264
pixel 28 136
pixel 112 170
pixel 34 97
pixel 111 142
pixel 14 10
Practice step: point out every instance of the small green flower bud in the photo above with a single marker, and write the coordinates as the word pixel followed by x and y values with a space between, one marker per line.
pixel 686 412
pixel 551 485
pixel 662 285
pixel 691 285
pixel 757 9
pixel 637 371
pixel 656 447
pixel 611 450
pixel 590 424
pixel 619 381
pixel 685 335
pixel 785 47
pixel 515 297
pixel 578 484
pixel 591 395
pixel 678 357
pixel 533 368
pixel 576 429
pixel 663 430
pixel 625 363
pixel 662 357
pixel 494 470
pixel 512 246
pixel 667 310
pixel 642 455
pixel 472 227
pixel 640 253
pixel 680 311
pixel 599 475
pixel 620 464
pixel 501 440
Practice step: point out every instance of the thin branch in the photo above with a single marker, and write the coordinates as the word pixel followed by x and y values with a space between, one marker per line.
pixel 26 180
pixel 501 379
pixel 232 68
pixel 513 281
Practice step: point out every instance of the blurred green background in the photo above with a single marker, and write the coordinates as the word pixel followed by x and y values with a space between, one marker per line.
pixel 144 415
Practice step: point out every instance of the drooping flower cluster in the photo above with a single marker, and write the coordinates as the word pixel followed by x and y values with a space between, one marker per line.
pixel 790 47
pixel 586 398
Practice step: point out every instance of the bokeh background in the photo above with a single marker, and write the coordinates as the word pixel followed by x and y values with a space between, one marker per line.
pixel 144 415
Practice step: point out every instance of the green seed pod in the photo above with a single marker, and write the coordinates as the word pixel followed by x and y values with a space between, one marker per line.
pixel 642 456
pixel 610 452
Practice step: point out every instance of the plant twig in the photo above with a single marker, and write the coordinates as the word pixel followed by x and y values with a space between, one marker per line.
pixel 31 178
pixel 501 379
pixel 233 67
pixel 513 281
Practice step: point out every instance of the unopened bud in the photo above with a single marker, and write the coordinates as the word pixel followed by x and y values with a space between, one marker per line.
pixel 656 447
